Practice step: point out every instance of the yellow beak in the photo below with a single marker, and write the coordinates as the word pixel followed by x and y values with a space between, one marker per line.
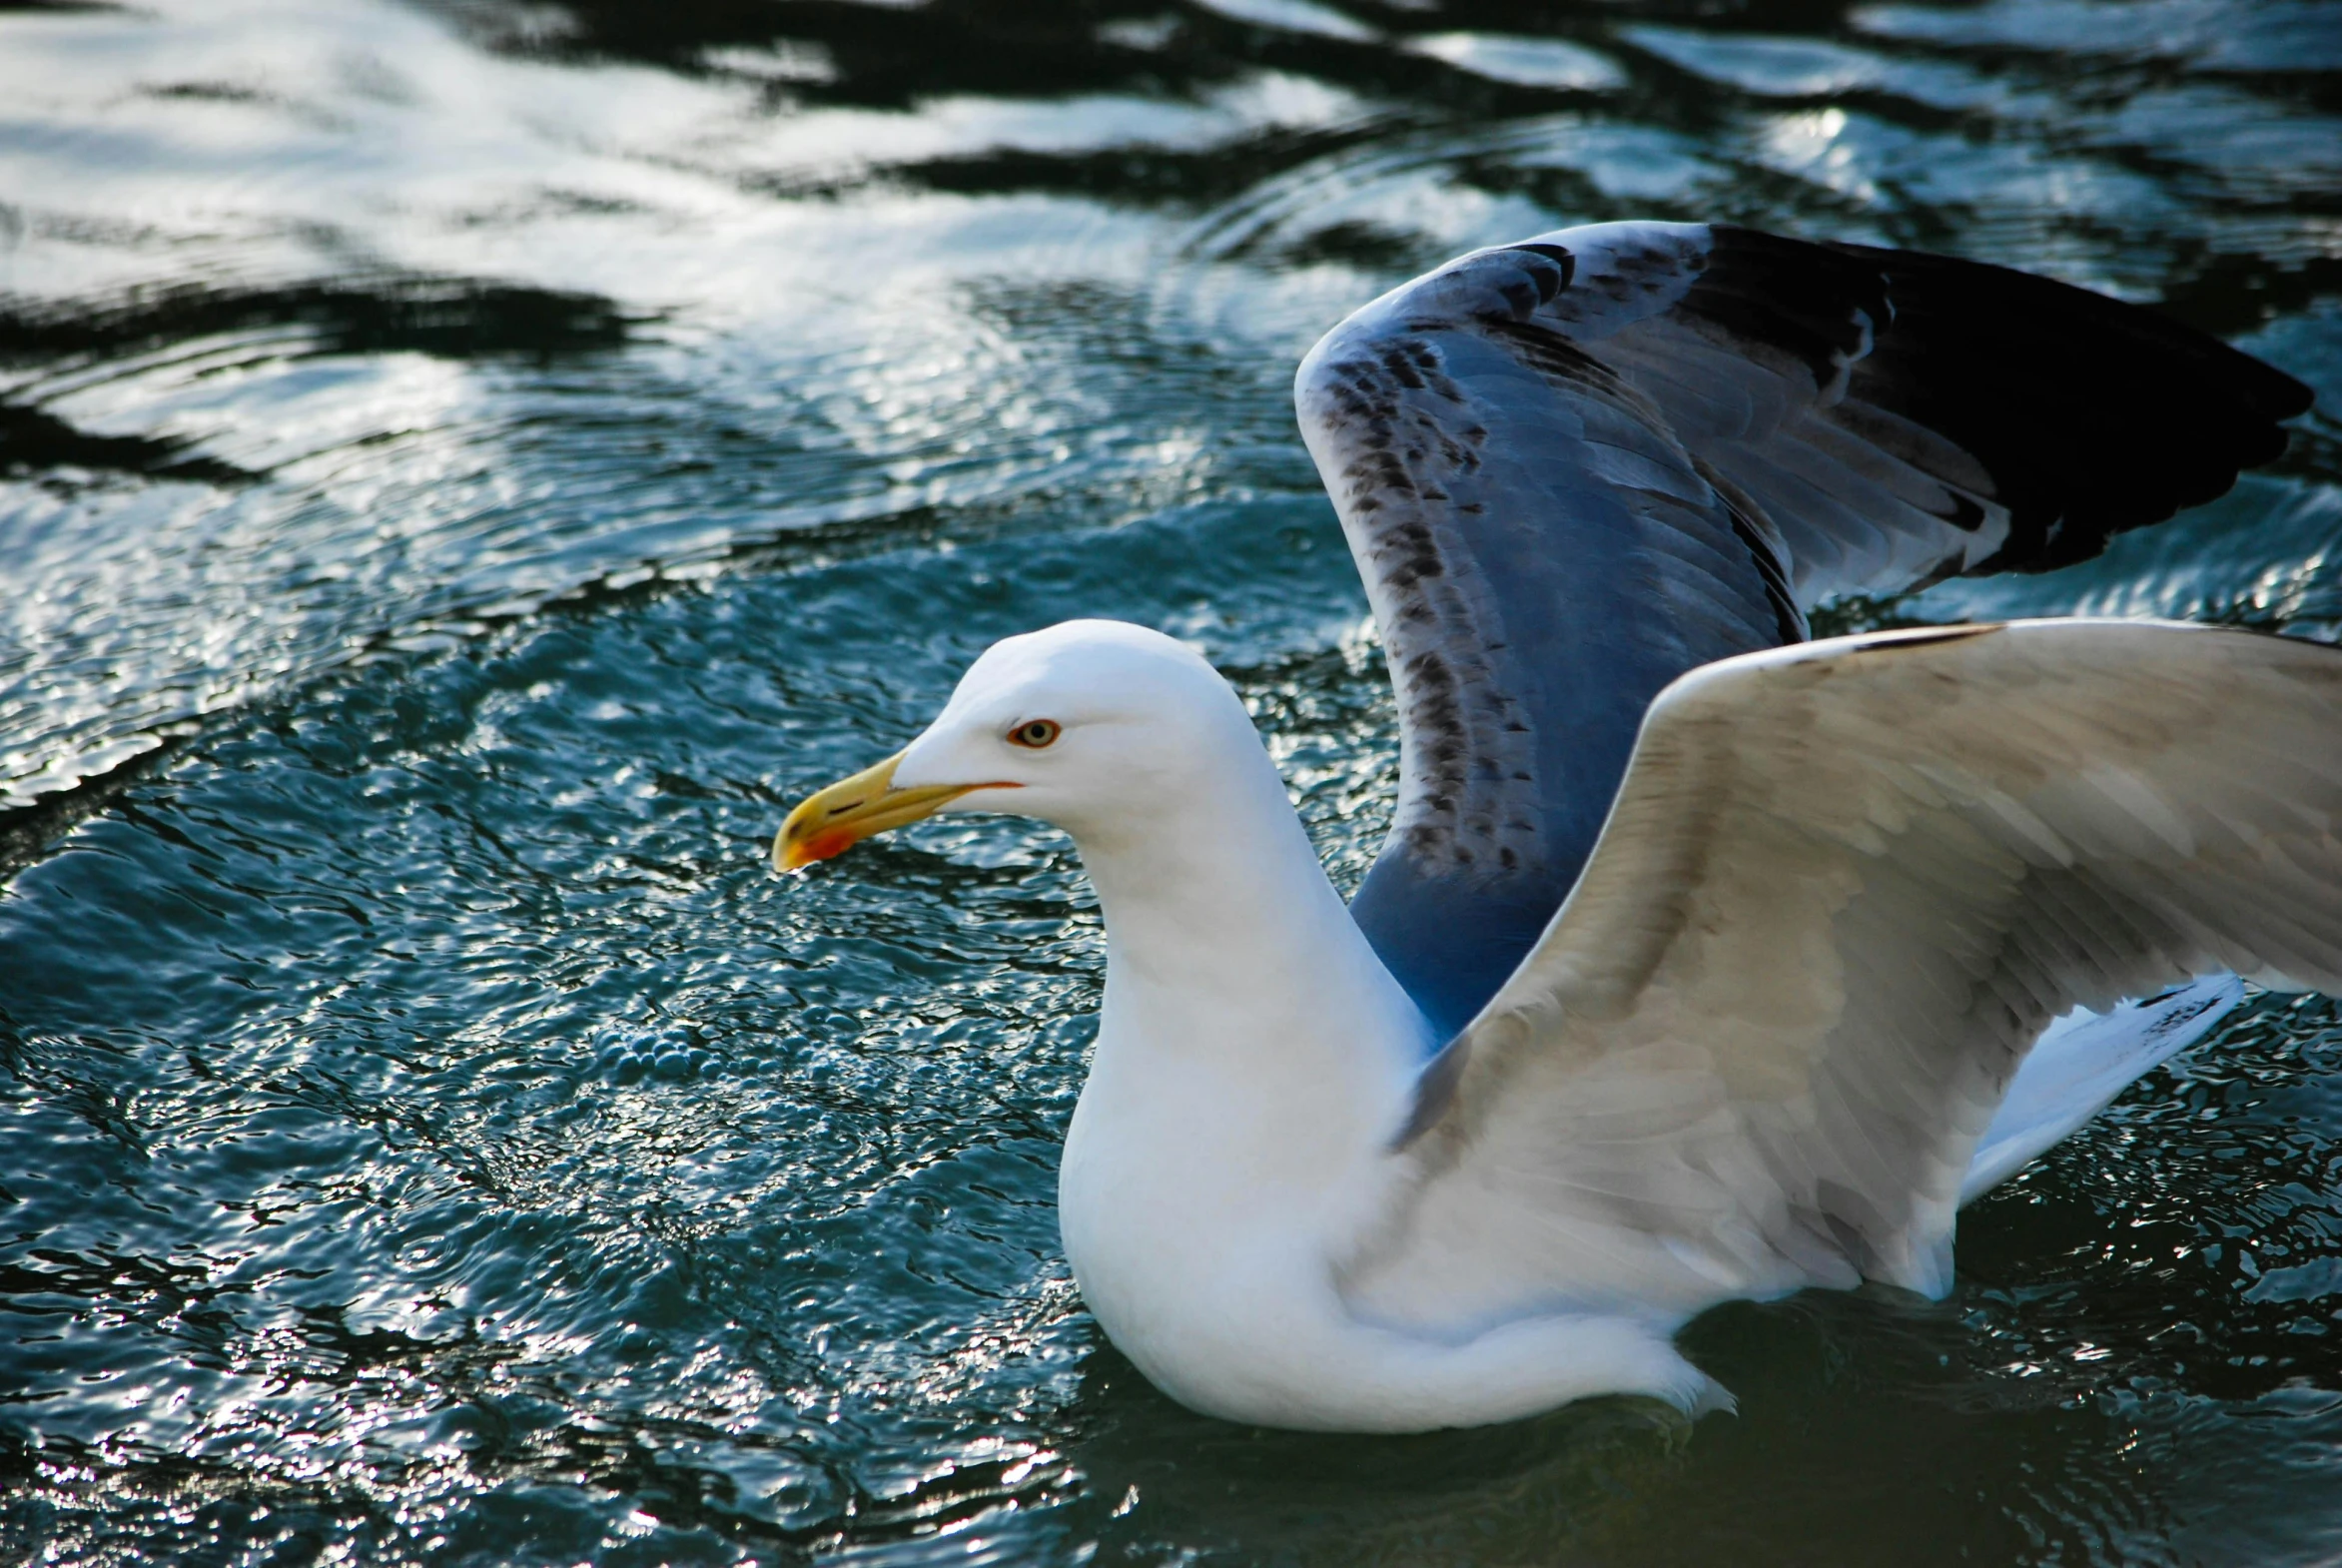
pixel 851 810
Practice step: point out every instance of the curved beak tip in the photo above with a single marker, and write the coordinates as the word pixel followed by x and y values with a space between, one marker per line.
pixel 831 821
pixel 791 856
pixel 821 827
pixel 785 861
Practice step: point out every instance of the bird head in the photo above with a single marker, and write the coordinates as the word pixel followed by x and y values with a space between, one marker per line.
pixel 1081 724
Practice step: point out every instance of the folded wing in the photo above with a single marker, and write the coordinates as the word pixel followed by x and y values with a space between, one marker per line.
pixel 1843 889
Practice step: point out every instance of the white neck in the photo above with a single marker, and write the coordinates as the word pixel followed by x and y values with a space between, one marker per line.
pixel 1247 1025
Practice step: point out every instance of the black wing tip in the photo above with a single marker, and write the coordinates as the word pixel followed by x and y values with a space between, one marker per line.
pixel 2290 399
pixel 2091 415
pixel 1804 299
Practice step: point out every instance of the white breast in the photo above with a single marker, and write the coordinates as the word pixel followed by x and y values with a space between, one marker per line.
pixel 1223 1290
pixel 1206 1195
pixel 1208 1178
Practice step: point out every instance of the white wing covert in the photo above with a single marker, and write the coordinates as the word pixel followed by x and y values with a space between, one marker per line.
pixel 1844 888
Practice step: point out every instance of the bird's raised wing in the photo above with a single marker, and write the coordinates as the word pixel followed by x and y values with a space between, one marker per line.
pixel 1844 888
pixel 1573 468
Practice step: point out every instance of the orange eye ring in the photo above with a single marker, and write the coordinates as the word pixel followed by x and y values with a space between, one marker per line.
pixel 1034 734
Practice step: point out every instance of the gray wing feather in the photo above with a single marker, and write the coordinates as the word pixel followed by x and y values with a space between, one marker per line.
pixel 1573 468
pixel 1462 451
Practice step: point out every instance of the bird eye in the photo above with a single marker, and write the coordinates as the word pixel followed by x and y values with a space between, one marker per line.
pixel 1033 734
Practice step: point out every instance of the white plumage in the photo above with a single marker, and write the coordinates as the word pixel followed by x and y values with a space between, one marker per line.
pixel 1853 940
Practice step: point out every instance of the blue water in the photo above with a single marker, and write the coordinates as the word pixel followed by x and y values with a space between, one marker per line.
pixel 466 468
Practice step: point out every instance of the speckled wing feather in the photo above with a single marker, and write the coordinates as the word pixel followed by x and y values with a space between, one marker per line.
pixel 1845 888
pixel 1575 468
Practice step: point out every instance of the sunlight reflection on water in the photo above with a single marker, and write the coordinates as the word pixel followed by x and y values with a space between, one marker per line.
pixel 466 467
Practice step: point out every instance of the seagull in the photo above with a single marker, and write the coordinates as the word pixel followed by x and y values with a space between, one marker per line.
pixel 1705 960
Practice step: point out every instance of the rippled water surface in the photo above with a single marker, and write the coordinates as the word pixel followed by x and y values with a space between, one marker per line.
pixel 465 466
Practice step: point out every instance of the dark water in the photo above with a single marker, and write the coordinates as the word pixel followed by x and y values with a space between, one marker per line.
pixel 465 467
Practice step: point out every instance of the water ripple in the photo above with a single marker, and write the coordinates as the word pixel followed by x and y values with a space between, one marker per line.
pixel 466 468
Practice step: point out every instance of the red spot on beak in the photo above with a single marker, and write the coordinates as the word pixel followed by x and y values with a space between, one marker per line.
pixel 825 846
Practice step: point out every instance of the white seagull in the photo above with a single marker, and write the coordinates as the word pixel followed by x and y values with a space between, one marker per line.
pixel 1704 961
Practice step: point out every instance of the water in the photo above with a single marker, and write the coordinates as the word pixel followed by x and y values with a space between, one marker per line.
pixel 464 469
